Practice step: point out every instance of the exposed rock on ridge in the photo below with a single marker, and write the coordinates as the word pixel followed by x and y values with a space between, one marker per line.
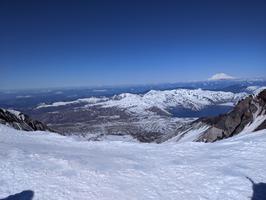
pixel 21 121
pixel 245 113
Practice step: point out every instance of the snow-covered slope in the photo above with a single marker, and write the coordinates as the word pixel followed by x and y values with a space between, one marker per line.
pixel 142 104
pixel 56 167
pixel 89 100
pixel 255 89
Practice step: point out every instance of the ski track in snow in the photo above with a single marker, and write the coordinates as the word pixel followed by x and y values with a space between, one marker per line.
pixel 57 167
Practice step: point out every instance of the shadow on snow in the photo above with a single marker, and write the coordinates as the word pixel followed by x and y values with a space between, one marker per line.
pixel 259 190
pixel 259 193
pixel 24 195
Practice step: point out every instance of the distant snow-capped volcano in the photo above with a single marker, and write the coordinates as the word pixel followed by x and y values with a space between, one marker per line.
pixel 221 76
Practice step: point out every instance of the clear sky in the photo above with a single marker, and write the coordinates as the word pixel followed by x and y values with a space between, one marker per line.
pixel 94 42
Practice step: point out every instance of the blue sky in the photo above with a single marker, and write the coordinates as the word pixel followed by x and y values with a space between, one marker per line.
pixel 85 43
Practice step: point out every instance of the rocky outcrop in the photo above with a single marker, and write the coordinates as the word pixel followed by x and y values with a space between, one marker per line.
pixel 21 121
pixel 245 113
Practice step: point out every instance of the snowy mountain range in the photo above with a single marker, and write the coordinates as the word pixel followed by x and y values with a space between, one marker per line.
pixel 160 100
pixel 26 100
pixel 146 118
pixel 156 112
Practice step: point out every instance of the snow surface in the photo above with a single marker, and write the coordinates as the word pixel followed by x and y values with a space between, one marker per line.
pixel 57 167
pixel 252 88
pixel 221 76
pixel 189 135
pixel 258 90
pixel 255 124
pixel 18 114
pixel 255 89
pixel 64 103
pixel 14 112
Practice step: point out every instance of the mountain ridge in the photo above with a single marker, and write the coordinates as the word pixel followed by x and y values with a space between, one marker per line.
pixel 20 121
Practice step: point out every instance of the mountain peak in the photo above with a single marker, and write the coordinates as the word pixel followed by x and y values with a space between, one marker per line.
pixel 221 76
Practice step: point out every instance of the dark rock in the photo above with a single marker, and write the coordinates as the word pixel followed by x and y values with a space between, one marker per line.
pixel 21 121
pixel 232 123
pixel 262 95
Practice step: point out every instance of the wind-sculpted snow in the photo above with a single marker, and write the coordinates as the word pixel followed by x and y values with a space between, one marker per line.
pixel 161 100
pixel 59 168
